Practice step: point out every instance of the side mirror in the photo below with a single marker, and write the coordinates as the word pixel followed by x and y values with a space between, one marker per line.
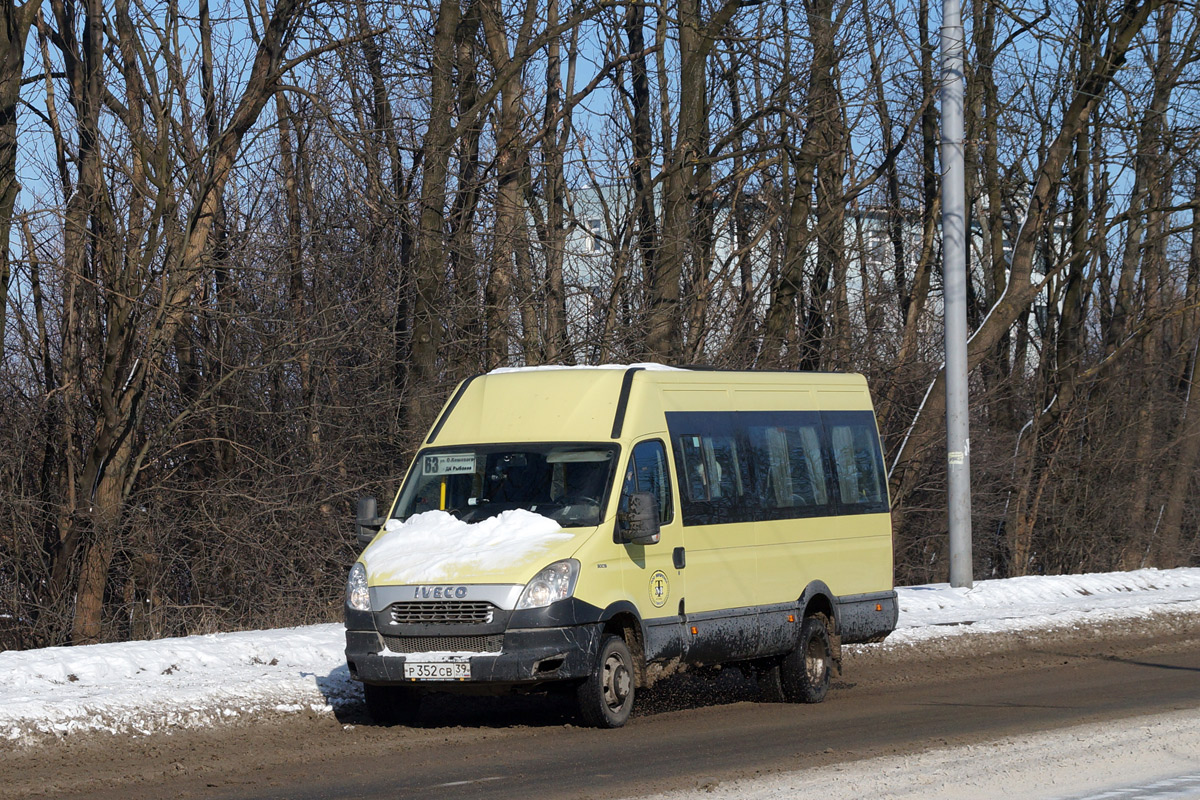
pixel 639 525
pixel 367 521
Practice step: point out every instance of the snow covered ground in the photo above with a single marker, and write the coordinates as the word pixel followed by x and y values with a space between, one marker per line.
pixel 143 687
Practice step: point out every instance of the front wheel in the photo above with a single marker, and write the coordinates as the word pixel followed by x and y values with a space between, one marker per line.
pixel 803 675
pixel 605 697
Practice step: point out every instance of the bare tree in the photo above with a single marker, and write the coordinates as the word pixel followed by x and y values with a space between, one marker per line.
pixel 114 272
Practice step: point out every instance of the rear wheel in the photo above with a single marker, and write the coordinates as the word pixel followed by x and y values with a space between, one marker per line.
pixel 392 705
pixel 807 670
pixel 803 675
pixel 605 697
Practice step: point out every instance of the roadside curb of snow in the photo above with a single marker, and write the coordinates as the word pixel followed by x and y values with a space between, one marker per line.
pixel 154 687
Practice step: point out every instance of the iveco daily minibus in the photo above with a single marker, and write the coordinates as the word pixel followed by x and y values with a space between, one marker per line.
pixel 594 529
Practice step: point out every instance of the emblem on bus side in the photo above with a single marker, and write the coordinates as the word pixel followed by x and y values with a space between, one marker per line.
pixel 660 589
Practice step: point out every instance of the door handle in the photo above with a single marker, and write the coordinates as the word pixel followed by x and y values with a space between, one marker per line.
pixel 679 558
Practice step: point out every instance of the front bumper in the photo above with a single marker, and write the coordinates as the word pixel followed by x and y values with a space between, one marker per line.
pixel 527 656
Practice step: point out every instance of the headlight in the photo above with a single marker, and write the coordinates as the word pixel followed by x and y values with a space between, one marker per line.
pixel 358 596
pixel 556 582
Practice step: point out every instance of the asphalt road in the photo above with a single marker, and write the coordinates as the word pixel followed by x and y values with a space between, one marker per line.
pixel 675 749
pixel 687 734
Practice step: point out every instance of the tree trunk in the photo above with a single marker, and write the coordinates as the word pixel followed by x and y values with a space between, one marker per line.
pixel 464 348
pixel 930 211
pixel 826 116
pixel 297 289
pixel 16 24
pixel 1152 153
pixel 818 163
pixel 395 190
pixel 556 123
pixel 895 210
pixel 684 181
pixel 428 268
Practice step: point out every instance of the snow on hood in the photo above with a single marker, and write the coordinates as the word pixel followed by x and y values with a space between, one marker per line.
pixel 436 546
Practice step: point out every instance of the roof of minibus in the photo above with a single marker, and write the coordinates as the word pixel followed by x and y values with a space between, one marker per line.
pixel 580 404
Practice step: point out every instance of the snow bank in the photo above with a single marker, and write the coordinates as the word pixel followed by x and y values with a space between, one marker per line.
pixel 435 545
pixel 1035 602
pixel 142 687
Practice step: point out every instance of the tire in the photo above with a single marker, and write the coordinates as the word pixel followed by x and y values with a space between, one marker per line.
pixel 605 697
pixel 392 705
pixel 805 673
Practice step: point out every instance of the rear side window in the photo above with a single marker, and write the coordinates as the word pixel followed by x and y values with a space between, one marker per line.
pixel 860 481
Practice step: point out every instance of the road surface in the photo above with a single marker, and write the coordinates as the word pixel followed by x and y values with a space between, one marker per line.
pixel 691 733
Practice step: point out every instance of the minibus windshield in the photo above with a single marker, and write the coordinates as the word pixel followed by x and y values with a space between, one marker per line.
pixel 565 482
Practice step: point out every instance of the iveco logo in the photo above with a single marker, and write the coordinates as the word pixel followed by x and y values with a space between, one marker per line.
pixel 439 592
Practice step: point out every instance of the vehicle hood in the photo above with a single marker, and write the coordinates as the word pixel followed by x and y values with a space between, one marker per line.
pixel 436 547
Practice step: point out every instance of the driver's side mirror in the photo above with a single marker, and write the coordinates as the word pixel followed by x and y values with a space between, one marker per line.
pixel 639 525
pixel 367 521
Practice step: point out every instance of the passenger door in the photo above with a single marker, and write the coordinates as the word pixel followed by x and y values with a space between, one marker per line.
pixel 652 578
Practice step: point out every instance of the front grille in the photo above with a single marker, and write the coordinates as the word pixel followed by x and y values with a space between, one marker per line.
pixel 444 644
pixel 446 613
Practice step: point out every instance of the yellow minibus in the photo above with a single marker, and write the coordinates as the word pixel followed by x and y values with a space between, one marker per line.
pixel 596 528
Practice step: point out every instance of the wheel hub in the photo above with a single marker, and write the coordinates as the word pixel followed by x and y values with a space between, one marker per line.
pixel 814 662
pixel 617 682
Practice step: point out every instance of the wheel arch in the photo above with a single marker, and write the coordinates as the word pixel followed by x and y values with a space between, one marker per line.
pixel 819 599
pixel 622 619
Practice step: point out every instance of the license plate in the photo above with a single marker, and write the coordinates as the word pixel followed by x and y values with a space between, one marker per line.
pixel 437 670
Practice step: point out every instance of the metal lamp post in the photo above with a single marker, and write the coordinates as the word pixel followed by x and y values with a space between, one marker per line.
pixel 954 271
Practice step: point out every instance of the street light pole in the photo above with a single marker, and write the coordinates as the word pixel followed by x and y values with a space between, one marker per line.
pixel 954 282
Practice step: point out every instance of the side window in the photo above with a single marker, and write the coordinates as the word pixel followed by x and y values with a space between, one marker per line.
pixel 788 467
pixel 711 465
pixel 746 466
pixel 713 455
pixel 691 467
pixel 857 460
pixel 723 467
pixel 648 472
pixel 804 464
